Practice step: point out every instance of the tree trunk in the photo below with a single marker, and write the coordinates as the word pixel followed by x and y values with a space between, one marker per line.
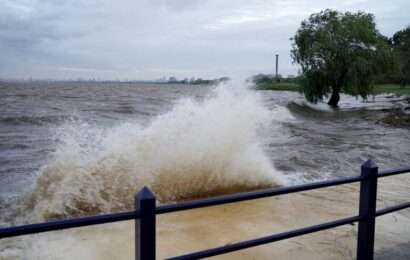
pixel 337 87
pixel 334 99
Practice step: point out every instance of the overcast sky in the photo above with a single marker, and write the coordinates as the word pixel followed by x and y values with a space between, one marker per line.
pixel 148 39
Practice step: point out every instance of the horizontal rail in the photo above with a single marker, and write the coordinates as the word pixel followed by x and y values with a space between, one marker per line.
pixel 284 235
pixel 394 172
pixel 65 224
pixel 109 218
pixel 268 239
pixel 243 196
pixel 392 209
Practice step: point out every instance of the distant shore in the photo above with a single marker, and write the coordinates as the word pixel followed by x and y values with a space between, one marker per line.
pixel 290 86
pixel 171 80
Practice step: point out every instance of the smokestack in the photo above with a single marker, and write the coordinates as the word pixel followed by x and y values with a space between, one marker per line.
pixel 277 59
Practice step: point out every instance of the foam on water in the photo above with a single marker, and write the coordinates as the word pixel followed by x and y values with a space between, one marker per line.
pixel 198 149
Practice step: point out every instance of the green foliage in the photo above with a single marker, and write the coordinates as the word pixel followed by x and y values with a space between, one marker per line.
pixel 340 52
pixel 259 79
pixel 401 45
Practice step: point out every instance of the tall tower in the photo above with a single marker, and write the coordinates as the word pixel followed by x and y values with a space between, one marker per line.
pixel 277 63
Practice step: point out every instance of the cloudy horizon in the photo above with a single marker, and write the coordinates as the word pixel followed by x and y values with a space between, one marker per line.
pixel 146 40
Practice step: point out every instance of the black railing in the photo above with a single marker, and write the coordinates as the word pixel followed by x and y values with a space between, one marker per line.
pixel 145 216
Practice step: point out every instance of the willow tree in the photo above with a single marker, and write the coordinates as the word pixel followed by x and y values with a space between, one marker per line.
pixel 339 52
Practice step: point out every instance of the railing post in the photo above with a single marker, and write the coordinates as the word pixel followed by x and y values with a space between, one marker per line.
pixel 367 211
pixel 145 225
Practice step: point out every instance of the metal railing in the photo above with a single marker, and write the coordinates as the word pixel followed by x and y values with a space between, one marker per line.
pixel 146 210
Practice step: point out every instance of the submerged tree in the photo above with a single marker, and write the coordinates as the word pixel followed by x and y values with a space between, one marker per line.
pixel 339 52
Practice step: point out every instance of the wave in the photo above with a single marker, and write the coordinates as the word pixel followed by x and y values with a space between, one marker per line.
pixel 198 149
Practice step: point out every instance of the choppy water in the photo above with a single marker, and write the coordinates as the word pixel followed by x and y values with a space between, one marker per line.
pixel 70 149
pixel 32 113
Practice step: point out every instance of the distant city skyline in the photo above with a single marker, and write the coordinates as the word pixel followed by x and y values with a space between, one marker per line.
pixel 151 39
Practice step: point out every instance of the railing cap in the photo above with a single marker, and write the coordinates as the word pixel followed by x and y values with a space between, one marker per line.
pixel 145 194
pixel 370 164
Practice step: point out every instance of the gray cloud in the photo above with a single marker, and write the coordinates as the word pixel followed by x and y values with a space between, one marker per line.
pixel 148 39
pixel 179 5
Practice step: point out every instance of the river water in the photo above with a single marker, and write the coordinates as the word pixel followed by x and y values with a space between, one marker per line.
pixel 72 149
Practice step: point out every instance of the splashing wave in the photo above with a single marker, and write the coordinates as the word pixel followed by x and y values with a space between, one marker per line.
pixel 198 149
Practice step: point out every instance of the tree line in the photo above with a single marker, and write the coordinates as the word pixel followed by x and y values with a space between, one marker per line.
pixel 400 45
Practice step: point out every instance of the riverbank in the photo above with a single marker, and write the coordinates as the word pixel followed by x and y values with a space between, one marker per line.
pixel 378 89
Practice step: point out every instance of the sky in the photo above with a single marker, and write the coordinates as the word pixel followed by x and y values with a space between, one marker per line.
pixel 151 39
